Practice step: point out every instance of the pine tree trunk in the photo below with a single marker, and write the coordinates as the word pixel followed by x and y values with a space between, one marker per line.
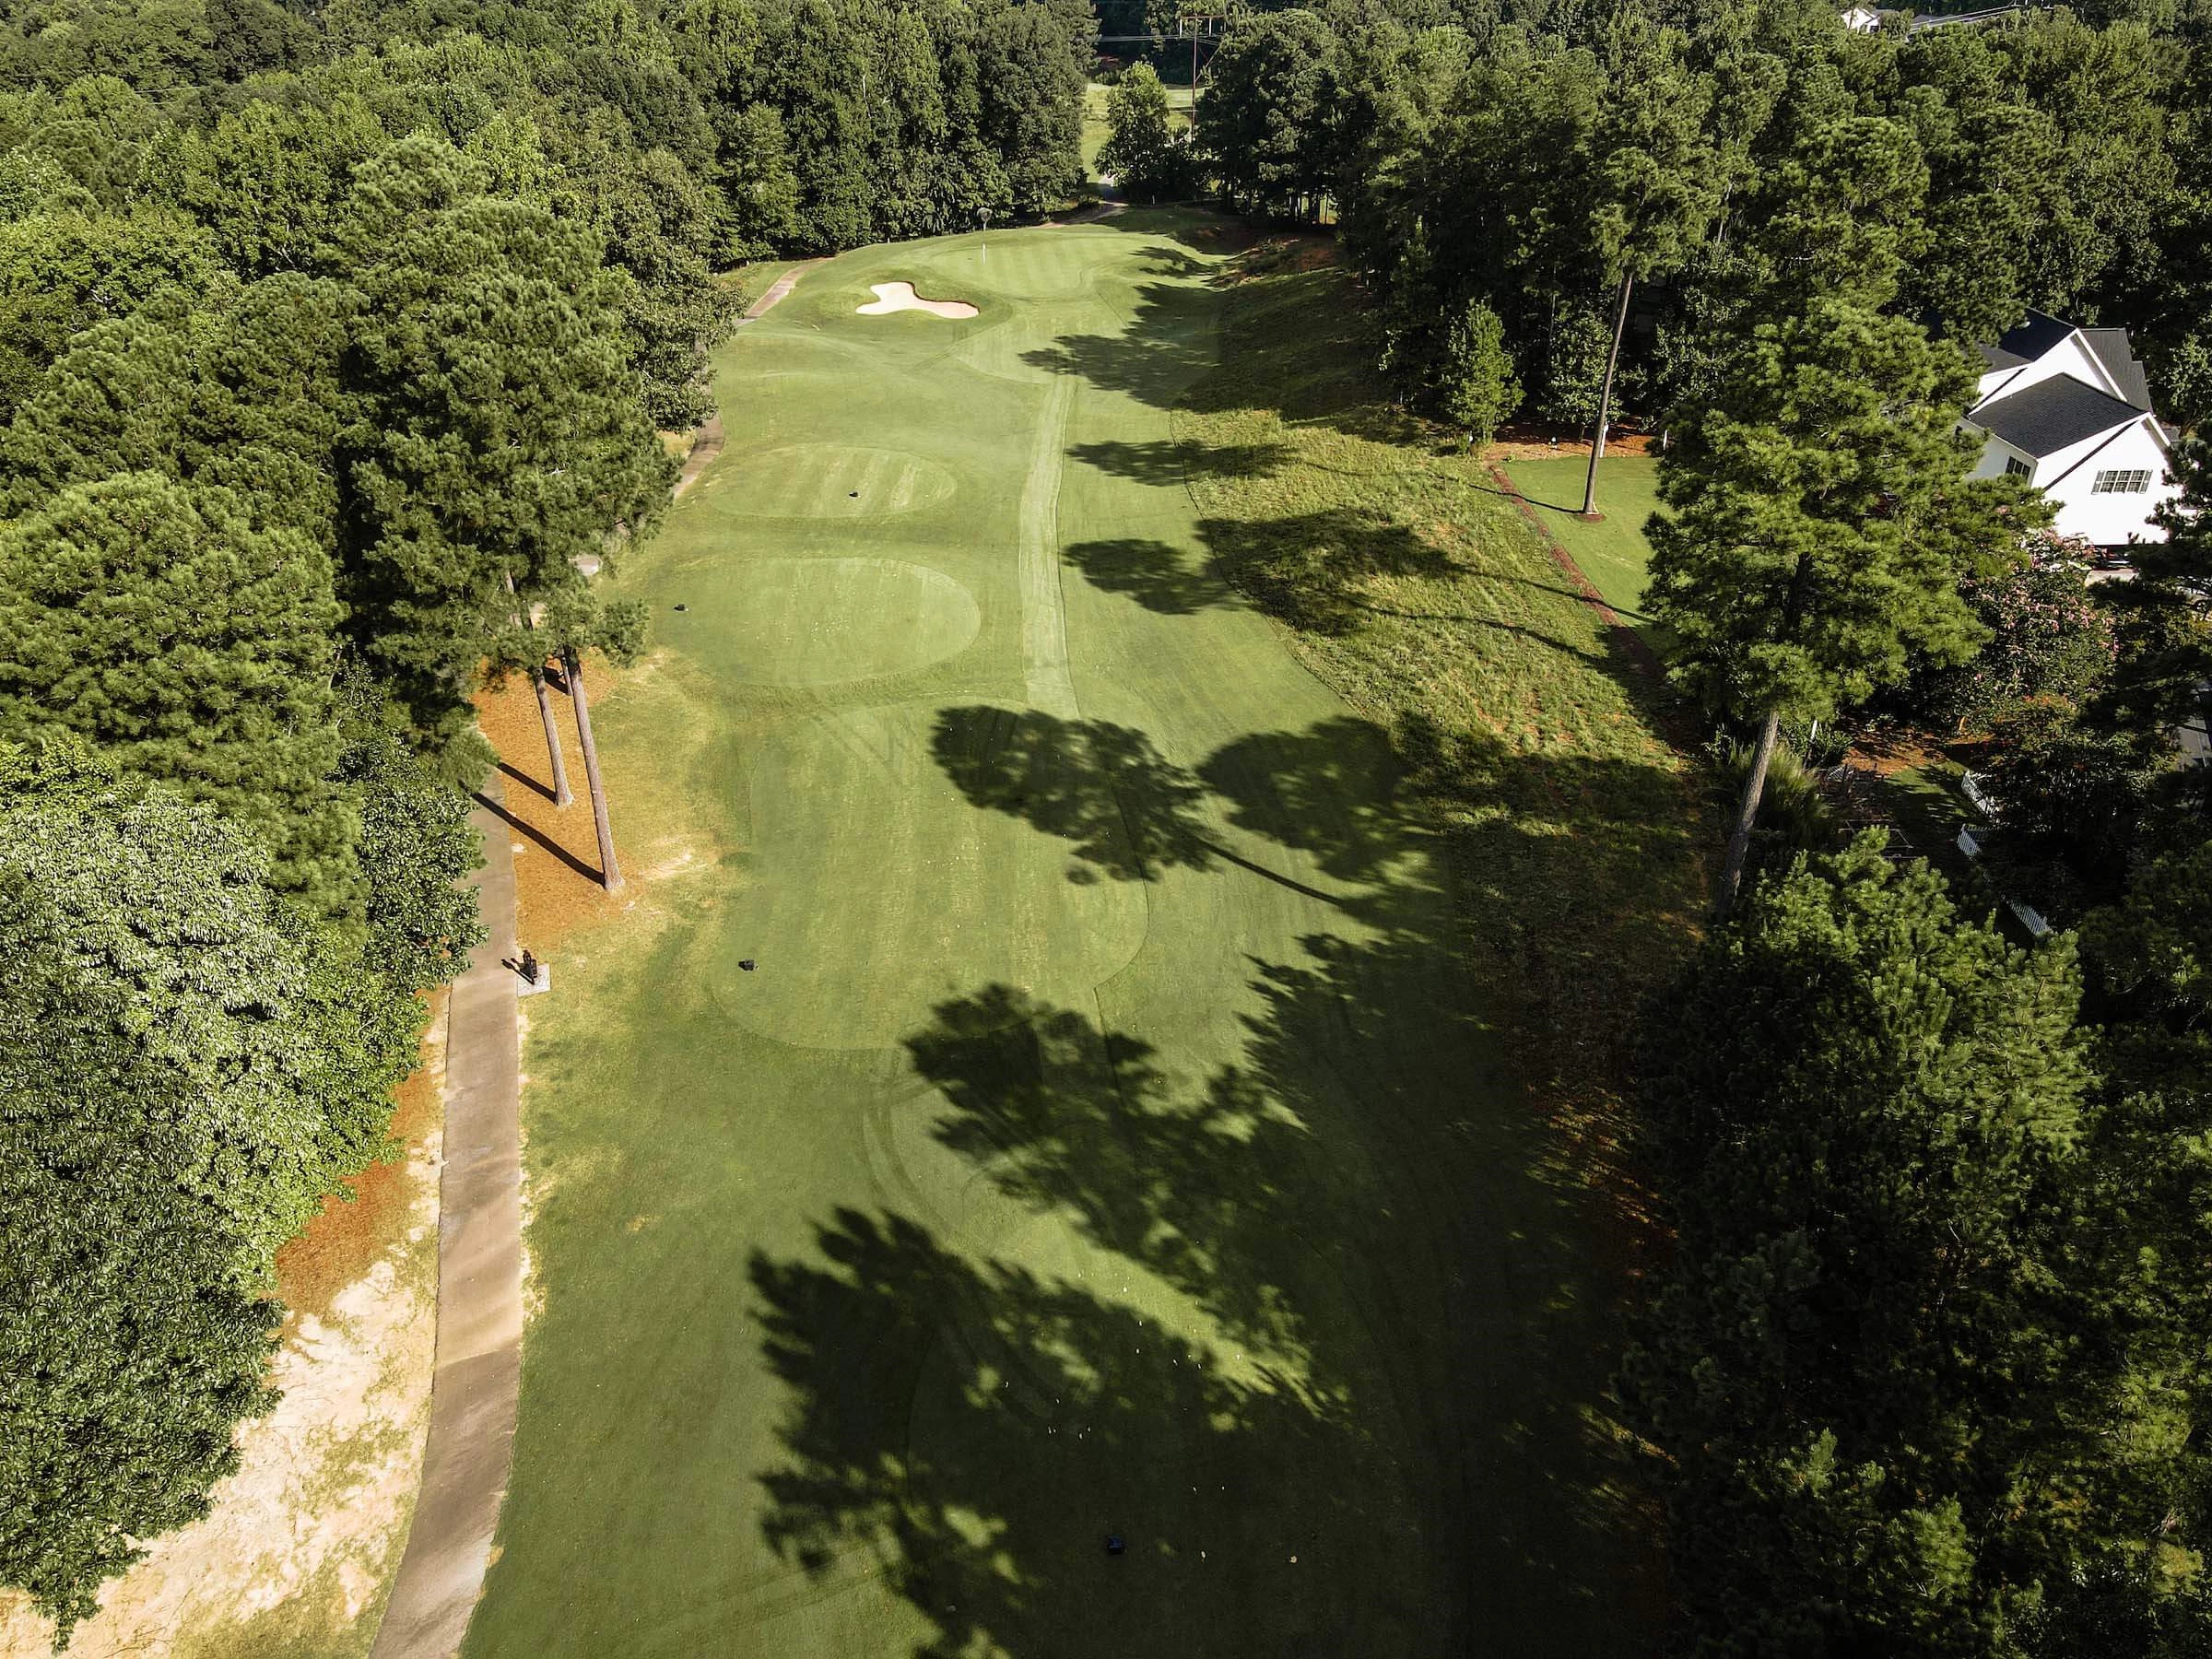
pixel 1739 841
pixel 562 793
pixel 1604 398
pixel 610 871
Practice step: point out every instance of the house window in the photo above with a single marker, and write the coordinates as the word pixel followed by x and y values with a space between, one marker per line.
pixel 2017 469
pixel 2121 483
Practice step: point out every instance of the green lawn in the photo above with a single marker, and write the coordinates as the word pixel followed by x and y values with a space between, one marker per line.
pixel 1095 130
pixel 1612 553
pixel 1125 1130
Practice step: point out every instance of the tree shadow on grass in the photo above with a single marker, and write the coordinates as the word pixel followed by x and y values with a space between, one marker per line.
pixel 974 1430
pixel 1126 809
pixel 1162 579
pixel 1322 1289
pixel 1168 462
pixel 1310 571
pixel 1129 812
pixel 1167 346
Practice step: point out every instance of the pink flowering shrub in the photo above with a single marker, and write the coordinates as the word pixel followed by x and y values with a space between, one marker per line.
pixel 2050 643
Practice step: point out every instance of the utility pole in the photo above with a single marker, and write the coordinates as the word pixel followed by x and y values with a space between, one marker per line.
pixel 1604 403
pixel 1201 22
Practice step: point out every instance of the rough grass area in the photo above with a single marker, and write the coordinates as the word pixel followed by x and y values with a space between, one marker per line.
pixel 1612 552
pixel 1415 590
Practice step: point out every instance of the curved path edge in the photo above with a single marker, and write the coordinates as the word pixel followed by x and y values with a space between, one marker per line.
pixel 707 441
pixel 477 1382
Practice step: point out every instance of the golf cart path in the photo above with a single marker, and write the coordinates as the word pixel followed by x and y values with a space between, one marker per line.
pixel 477 1377
pixel 706 443
pixel 477 1382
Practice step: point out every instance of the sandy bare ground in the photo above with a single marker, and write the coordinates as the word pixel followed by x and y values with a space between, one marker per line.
pixel 900 296
pixel 302 1541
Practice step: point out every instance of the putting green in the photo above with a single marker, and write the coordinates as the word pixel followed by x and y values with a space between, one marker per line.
pixel 822 621
pixel 1108 1139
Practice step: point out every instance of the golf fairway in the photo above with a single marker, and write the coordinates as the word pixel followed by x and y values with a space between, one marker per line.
pixel 1108 1142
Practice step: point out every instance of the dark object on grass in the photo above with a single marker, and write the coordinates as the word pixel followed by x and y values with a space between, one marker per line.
pixel 748 964
pixel 853 493
pixel 1114 1545
pixel 683 607
pixel 529 967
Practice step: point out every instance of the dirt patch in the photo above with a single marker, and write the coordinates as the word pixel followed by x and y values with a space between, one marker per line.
pixel 1546 444
pixel 1888 751
pixel 355 1229
pixel 892 296
pixel 298 1550
pixel 557 851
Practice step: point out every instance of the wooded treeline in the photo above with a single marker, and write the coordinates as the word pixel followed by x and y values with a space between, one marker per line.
pixel 1526 155
pixel 331 340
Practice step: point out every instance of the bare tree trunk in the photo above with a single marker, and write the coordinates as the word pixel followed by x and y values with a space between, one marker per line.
pixel 1604 398
pixel 610 871
pixel 562 793
pixel 1746 813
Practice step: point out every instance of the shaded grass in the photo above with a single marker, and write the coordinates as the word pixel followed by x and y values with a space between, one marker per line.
pixel 1612 552
pixel 1418 593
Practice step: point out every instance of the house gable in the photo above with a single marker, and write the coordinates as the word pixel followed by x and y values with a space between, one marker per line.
pixel 2068 409
pixel 2107 488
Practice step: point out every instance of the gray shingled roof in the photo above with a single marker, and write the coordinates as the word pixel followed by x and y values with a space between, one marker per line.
pixel 2111 347
pixel 2052 415
pixel 2029 341
pixel 2043 332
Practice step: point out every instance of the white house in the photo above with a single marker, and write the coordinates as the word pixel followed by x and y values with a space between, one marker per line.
pixel 2068 409
pixel 1863 19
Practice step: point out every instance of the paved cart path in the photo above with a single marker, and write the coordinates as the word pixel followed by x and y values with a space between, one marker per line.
pixel 473 1388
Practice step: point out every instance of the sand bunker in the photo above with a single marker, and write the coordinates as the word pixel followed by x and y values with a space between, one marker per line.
pixel 900 296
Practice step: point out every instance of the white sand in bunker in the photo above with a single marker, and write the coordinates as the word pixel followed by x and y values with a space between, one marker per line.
pixel 900 296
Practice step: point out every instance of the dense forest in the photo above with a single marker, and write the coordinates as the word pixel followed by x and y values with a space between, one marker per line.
pixel 1732 159
pixel 331 340
pixel 331 337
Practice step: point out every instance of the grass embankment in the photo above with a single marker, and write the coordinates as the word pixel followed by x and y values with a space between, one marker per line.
pixel 748 282
pixel 1611 552
pixel 1418 594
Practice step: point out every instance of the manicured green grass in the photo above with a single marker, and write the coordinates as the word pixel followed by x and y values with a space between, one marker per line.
pixel 1613 552
pixel 1120 1132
